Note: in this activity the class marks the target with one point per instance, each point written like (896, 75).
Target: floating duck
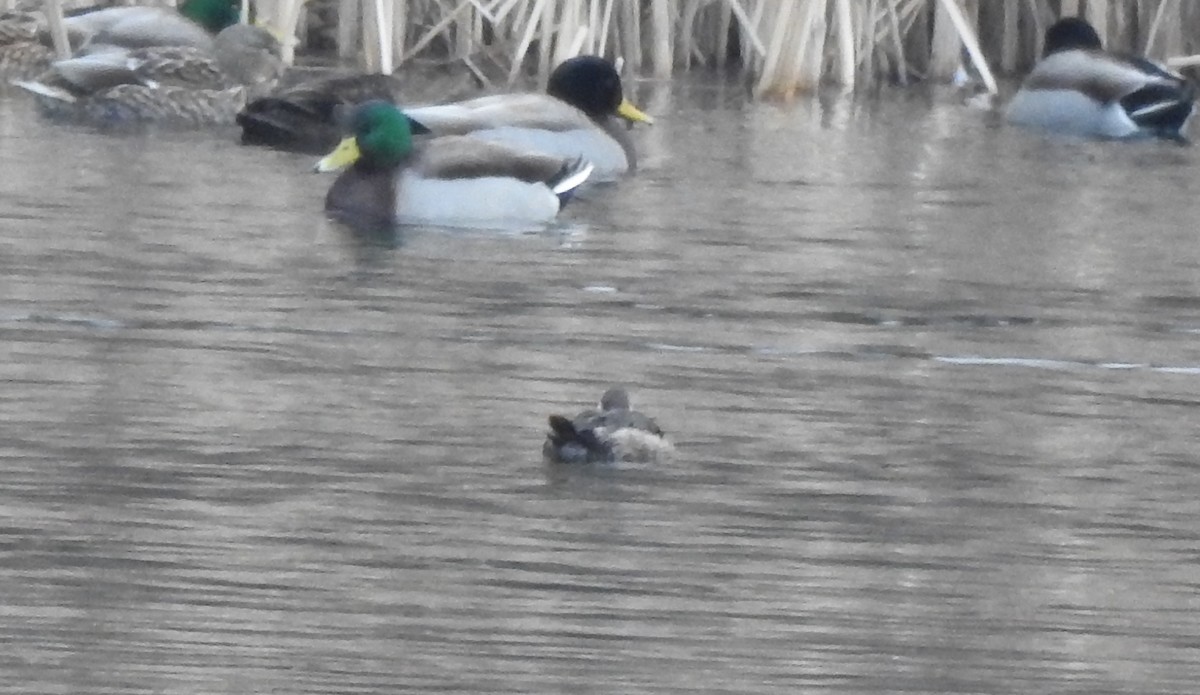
(1079, 89)
(307, 117)
(170, 84)
(449, 181)
(610, 432)
(576, 117)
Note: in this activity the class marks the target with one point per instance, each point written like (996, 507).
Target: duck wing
(613, 420)
(92, 72)
(1103, 77)
(461, 157)
(96, 71)
(180, 105)
(179, 67)
(301, 125)
(536, 111)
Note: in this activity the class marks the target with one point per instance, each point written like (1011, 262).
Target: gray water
(932, 383)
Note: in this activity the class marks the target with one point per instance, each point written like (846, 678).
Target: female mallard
(1079, 89)
(574, 118)
(610, 432)
(178, 85)
(451, 181)
(306, 117)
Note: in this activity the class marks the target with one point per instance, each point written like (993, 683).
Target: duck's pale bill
(345, 154)
(632, 113)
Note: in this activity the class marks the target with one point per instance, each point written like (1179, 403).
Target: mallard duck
(576, 117)
(179, 85)
(25, 47)
(610, 432)
(449, 181)
(307, 117)
(194, 24)
(1079, 89)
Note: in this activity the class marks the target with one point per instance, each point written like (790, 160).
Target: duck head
(592, 85)
(213, 15)
(249, 54)
(1069, 34)
(381, 138)
(614, 399)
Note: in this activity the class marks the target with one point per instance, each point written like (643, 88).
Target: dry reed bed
(784, 46)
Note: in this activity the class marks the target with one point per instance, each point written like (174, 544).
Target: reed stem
(58, 30)
(785, 46)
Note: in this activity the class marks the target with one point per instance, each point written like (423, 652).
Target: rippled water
(932, 382)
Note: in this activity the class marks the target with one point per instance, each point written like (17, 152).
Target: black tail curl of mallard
(568, 180)
(1162, 108)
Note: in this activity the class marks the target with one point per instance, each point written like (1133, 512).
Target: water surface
(932, 384)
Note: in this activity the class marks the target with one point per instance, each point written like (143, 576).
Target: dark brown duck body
(308, 117)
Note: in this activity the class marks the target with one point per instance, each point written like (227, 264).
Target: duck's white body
(492, 202)
(1070, 112)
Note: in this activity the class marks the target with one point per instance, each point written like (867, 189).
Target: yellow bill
(632, 113)
(345, 154)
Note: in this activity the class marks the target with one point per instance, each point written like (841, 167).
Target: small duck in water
(610, 432)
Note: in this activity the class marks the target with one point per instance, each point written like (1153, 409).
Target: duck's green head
(381, 137)
(213, 15)
(592, 85)
(1069, 34)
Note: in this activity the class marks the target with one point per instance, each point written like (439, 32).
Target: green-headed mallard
(612, 431)
(307, 117)
(194, 24)
(1079, 89)
(448, 181)
(177, 85)
(576, 117)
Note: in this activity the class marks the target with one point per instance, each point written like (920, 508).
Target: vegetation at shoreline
(784, 47)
